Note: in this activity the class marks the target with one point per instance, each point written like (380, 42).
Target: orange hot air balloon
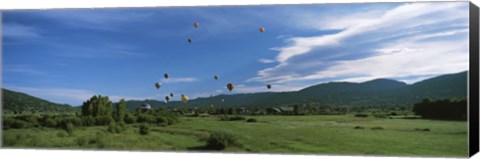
(262, 29)
(230, 86)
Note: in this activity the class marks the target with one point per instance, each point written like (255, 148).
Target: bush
(143, 118)
(88, 121)
(377, 128)
(359, 127)
(250, 120)
(361, 115)
(234, 118)
(171, 120)
(81, 141)
(14, 123)
(69, 128)
(116, 127)
(144, 129)
(100, 140)
(104, 120)
(162, 120)
(220, 140)
(111, 128)
(426, 129)
(50, 123)
(130, 119)
(61, 134)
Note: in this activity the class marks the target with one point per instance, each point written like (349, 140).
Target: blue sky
(67, 56)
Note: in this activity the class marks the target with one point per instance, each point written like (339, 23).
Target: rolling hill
(16, 101)
(378, 92)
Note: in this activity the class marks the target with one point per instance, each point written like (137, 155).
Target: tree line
(444, 109)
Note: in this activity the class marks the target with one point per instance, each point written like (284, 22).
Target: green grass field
(321, 134)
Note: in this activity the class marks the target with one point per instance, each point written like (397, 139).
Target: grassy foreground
(321, 134)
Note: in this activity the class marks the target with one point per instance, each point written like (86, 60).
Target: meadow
(307, 134)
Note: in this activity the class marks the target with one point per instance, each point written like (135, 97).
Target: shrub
(69, 128)
(220, 140)
(100, 140)
(377, 128)
(250, 120)
(361, 115)
(144, 129)
(61, 134)
(88, 121)
(162, 120)
(418, 129)
(359, 127)
(144, 118)
(50, 123)
(111, 128)
(237, 118)
(104, 120)
(81, 141)
(130, 119)
(234, 118)
(171, 120)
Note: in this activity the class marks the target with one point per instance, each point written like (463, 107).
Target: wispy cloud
(102, 19)
(179, 80)
(24, 69)
(266, 61)
(17, 30)
(411, 39)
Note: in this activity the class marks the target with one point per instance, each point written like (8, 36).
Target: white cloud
(398, 43)
(266, 61)
(179, 80)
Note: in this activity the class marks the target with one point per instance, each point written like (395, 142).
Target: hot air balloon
(167, 98)
(189, 40)
(262, 29)
(230, 86)
(184, 98)
(171, 94)
(165, 75)
(196, 24)
(269, 86)
(157, 85)
(215, 77)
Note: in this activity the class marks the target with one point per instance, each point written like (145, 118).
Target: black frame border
(473, 81)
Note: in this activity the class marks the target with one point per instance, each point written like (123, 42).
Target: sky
(69, 55)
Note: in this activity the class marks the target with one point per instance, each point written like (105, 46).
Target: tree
(120, 110)
(100, 108)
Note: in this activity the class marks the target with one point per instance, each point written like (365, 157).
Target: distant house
(280, 110)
